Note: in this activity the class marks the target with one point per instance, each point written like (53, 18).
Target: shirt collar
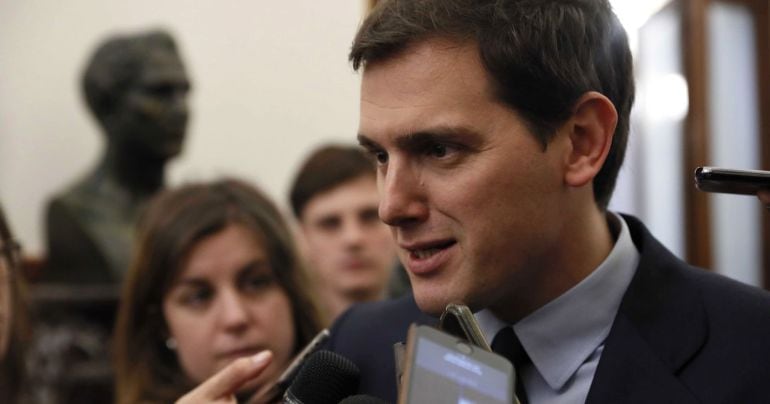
(561, 335)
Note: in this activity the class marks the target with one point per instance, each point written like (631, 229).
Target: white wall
(271, 81)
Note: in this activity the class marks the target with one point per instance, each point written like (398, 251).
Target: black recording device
(459, 321)
(285, 379)
(731, 181)
(363, 399)
(442, 368)
(325, 378)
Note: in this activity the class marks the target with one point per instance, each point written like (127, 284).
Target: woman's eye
(256, 283)
(196, 298)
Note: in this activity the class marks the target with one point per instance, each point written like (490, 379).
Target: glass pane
(650, 185)
(733, 117)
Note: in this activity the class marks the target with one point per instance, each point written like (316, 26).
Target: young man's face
(350, 249)
(471, 196)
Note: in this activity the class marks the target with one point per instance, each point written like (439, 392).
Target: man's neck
(584, 244)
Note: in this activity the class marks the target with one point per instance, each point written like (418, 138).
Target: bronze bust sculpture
(136, 86)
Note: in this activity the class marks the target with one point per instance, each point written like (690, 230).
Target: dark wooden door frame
(698, 222)
(760, 11)
(696, 136)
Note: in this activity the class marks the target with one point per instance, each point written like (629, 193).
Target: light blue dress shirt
(565, 338)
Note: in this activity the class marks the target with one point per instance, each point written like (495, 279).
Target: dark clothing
(365, 334)
(682, 335)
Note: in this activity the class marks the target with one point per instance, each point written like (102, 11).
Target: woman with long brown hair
(14, 328)
(215, 277)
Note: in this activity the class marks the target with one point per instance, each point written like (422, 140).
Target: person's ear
(591, 130)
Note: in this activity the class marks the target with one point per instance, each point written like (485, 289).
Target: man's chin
(432, 305)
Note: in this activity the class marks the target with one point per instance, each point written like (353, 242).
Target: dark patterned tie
(507, 344)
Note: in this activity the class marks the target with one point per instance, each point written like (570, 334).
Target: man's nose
(402, 197)
(353, 231)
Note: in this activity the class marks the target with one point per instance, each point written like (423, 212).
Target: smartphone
(287, 377)
(459, 321)
(443, 368)
(731, 181)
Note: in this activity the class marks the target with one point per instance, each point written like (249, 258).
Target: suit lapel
(631, 372)
(660, 326)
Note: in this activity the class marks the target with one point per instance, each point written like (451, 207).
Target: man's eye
(370, 216)
(438, 150)
(330, 223)
(381, 157)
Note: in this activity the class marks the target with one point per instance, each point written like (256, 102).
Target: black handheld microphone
(363, 399)
(326, 378)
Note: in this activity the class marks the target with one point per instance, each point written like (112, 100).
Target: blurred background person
(351, 254)
(215, 277)
(136, 87)
(14, 330)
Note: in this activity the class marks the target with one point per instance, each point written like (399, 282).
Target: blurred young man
(499, 127)
(350, 251)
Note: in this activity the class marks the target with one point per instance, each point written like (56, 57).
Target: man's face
(151, 117)
(350, 249)
(471, 196)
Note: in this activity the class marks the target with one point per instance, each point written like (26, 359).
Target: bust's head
(137, 86)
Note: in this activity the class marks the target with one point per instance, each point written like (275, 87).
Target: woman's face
(227, 303)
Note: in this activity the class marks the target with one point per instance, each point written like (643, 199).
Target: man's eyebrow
(366, 143)
(426, 136)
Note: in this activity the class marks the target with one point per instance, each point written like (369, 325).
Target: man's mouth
(427, 250)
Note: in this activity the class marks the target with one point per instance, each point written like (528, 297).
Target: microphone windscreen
(363, 399)
(326, 378)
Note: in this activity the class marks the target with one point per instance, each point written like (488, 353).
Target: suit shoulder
(730, 299)
(379, 323)
(366, 333)
(370, 317)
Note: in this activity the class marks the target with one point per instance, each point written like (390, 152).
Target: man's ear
(590, 130)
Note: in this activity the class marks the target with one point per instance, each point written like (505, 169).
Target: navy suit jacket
(681, 335)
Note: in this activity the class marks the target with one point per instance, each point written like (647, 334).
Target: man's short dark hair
(542, 56)
(116, 65)
(327, 168)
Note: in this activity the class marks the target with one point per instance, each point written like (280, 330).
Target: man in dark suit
(499, 127)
